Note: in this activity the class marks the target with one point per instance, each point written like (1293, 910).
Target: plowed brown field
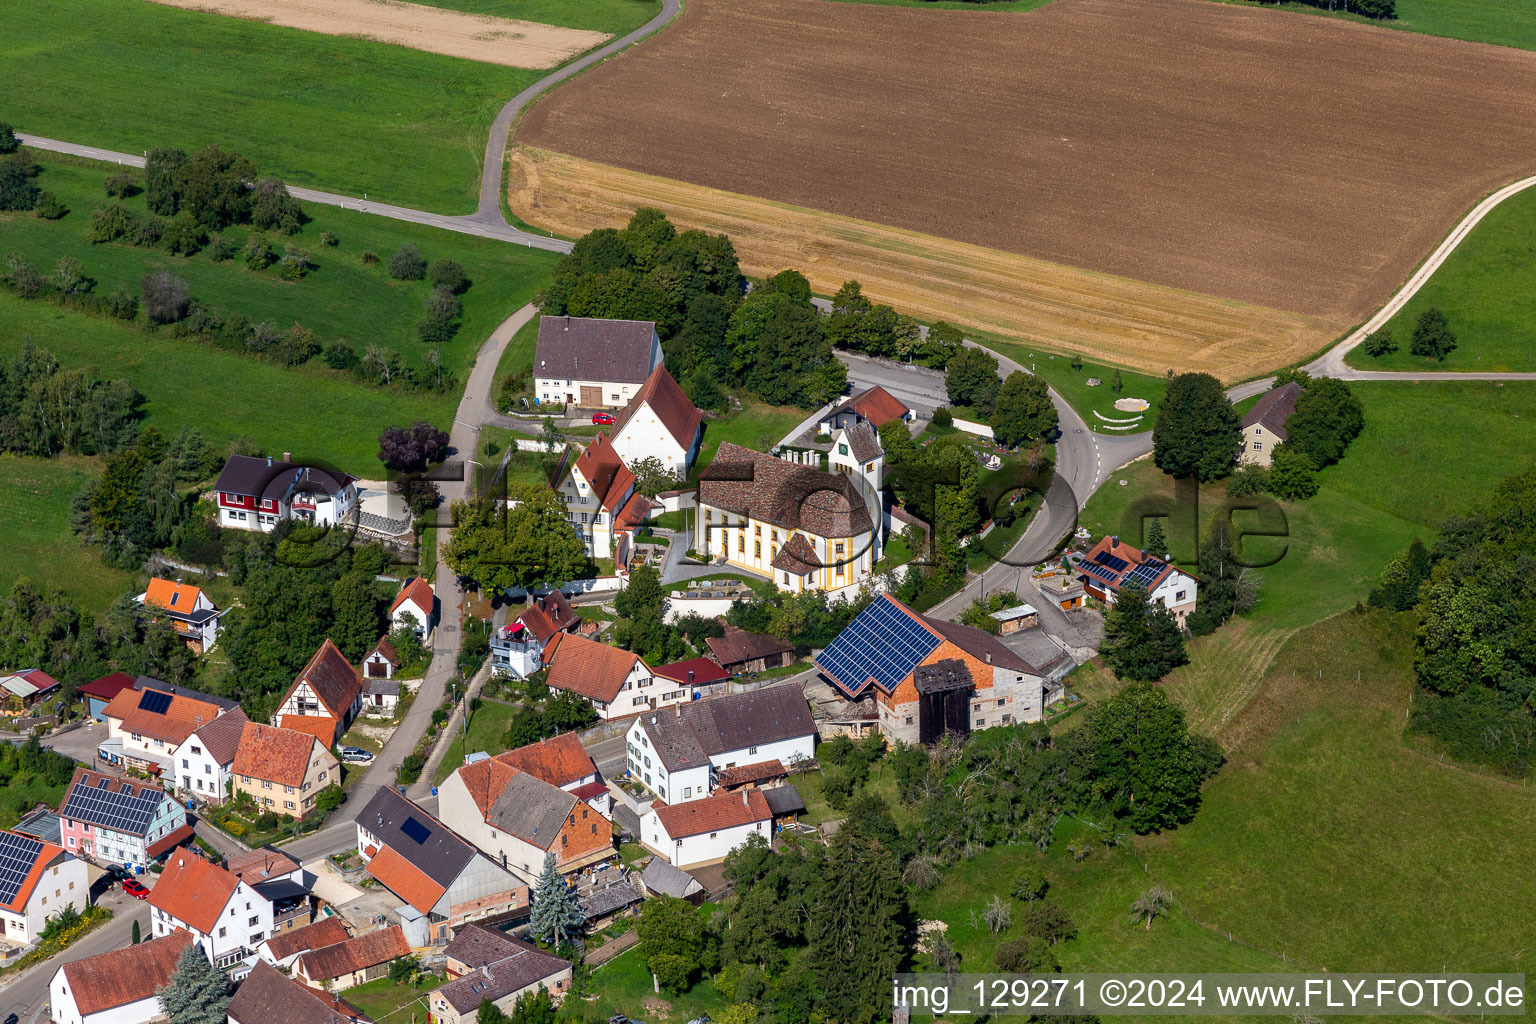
(1138, 325)
(1283, 160)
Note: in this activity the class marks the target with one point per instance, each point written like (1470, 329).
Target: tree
(213, 185)
(528, 544)
(1328, 417)
(358, 619)
(197, 992)
(1197, 432)
(535, 1007)
(404, 969)
(1432, 335)
(1030, 884)
(1156, 544)
(998, 916)
(971, 378)
(1022, 410)
(555, 915)
(412, 449)
(1141, 641)
(1151, 903)
(651, 476)
(857, 916)
(407, 264)
(944, 341)
(1379, 343)
(17, 191)
(447, 274)
(1292, 474)
(166, 297)
(897, 441)
(161, 168)
(1146, 767)
(779, 349)
(136, 935)
(1028, 954)
(1402, 578)
(488, 1013)
(672, 941)
(9, 143)
(273, 209)
(330, 798)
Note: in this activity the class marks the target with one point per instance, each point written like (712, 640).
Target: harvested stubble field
(516, 44)
(1283, 161)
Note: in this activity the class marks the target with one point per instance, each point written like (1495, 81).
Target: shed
(662, 879)
(1011, 620)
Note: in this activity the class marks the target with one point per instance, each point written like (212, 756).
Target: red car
(602, 419)
(133, 888)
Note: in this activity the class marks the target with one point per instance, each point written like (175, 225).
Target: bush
(447, 274)
(1380, 343)
(149, 231)
(49, 207)
(111, 223)
(327, 239)
(295, 263)
(1247, 480)
(1027, 955)
(340, 356)
(1030, 884)
(182, 235)
(122, 304)
(943, 418)
(121, 185)
(16, 189)
(9, 143)
(222, 249)
(435, 330)
(166, 297)
(369, 257)
(258, 255)
(273, 209)
(23, 276)
(407, 264)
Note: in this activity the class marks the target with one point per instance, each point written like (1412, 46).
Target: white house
(201, 764)
(618, 683)
(415, 607)
(146, 725)
(685, 754)
(661, 423)
(704, 831)
(117, 987)
(324, 699)
(1263, 426)
(40, 879)
(256, 493)
(225, 915)
(382, 662)
(190, 612)
(600, 499)
(599, 364)
(1110, 565)
(282, 949)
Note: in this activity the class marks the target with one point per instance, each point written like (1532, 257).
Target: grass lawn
(345, 299)
(487, 730)
(676, 521)
(396, 124)
(1503, 22)
(35, 534)
(381, 997)
(1096, 405)
(755, 425)
(1327, 839)
(615, 17)
(624, 983)
(1484, 288)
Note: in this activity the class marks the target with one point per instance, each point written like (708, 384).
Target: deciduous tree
(412, 449)
(1197, 431)
(1022, 410)
(1432, 335)
(971, 378)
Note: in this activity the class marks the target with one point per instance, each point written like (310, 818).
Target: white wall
(208, 779)
(413, 615)
(234, 922)
(698, 849)
(979, 429)
(457, 809)
(66, 883)
(644, 436)
(65, 1011)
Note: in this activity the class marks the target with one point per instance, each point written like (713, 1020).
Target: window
(752, 750)
(775, 536)
(687, 792)
(839, 547)
(196, 749)
(741, 542)
(757, 548)
(222, 932)
(1258, 446)
(976, 706)
(288, 804)
(980, 722)
(757, 529)
(613, 398)
(266, 784)
(253, 922)
(709, 515)
(1257, 430)
(185, 763)
(786, 579)
(1180, 595)
(1001, 701)
(1007, 719)
(207, 770)
(287, 789)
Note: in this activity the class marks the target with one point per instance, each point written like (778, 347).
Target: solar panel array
(884, 642)
(1144, 574)
(111, 809)
(416, 831)
(155, 702)
(1115, 562)
(17, 855)
(1102, 572)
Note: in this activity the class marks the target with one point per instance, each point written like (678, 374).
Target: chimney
(679, 709)
(269, 460)
(690, 675)
(1114, 542)
(744, 801)
(486, 970)
(287, 456)
(567, 324)
(989, 657)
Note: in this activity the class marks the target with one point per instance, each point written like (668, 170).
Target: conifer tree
(857, 916)
(197, 992)
(556, 915)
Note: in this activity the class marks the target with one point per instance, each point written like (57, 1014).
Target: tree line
(46, 409)
(1018, 409)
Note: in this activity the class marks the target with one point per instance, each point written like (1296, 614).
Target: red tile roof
(785, 494)
(1109, 547)
(168, 842)
(124, 975)
(321, 728)
(193, 891)
(604, 472)
(877, 405)
(666, 399)
(720, 810)
(559, 762)
(170, 595)
(332, 678)
(738, 645)
(405, 879)
(108, 687)
(759, 772)
(261, 865)
(268, 995)
(591, 669)
(182, 716)
(355, 954)
(416, 589)
(693, 672)
(221, 737)
(797, 556)
(273, 754)
(325, 932)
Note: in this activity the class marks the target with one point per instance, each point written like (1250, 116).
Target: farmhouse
(226, 916)
(268, 995)
(120, 986)
(380, 663)
(517, 817)
(661, 423)
(282, 949)
(202, 764)
(484, 964)
(740, 651)
(1264, 425)
(443, 880)
(1110, 565)
(148, 723)
(684, 754)
(24, 690)
(415, 607)
(324, 699)
(40, 879)
(257, 493)
(704, 831)
(353, 961)
(120, 821)
(283, 770)
(598, 364)
(928, 677)
(600, 498)
(617, 682)
(875, 406)
(190, 612)
(803, 528)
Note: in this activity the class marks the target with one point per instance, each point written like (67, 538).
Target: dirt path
(517, 44)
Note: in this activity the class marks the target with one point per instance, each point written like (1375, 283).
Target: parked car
(133, 887)
(356, 754)
(602, 419)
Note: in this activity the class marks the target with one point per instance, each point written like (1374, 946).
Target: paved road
(27, 994)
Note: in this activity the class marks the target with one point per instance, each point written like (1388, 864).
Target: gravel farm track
(1281, 173)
